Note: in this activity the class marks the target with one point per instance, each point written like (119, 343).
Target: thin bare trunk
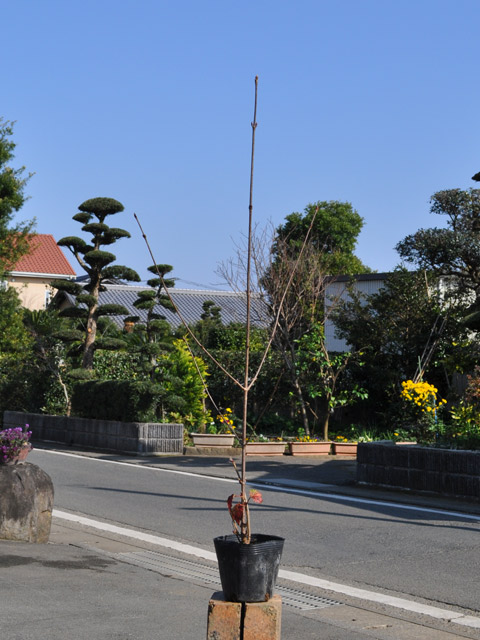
(303, 407)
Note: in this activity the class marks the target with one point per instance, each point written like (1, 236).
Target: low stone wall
(443, 471)
(138, 438)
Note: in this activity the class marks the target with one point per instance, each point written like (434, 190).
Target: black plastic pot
(248, 572)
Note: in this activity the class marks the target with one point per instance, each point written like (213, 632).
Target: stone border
(443, 471)
(137, 438)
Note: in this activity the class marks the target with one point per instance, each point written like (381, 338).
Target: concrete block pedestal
(244, 621)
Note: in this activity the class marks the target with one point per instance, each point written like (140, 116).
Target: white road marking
(138, 535)
(301, 578)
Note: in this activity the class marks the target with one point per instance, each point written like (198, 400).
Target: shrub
(121, 400)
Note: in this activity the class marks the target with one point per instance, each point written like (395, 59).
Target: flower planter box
(213, 439)
(265, 448)
(345, 448)
(309, 448)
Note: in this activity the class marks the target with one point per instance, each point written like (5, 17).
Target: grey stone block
(26, 502)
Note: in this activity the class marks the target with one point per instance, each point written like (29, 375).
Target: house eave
(26, 274)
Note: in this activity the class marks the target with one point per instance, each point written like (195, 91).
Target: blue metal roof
(189, 303)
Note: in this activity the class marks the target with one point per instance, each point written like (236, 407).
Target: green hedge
(122, 400)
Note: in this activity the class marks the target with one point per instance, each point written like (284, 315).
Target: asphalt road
(417, 553)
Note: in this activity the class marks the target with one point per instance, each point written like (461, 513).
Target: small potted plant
(248, 563)
(219, 433)
(14, 445)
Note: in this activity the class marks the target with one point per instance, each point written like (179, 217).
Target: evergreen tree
(453, 252)
(97, 263)
(156, 333)
(13, 239)
(308, 251)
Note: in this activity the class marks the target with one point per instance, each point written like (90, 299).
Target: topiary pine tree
(156, 330)
(98, 266)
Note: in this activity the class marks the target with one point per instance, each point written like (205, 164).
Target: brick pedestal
(260, 620)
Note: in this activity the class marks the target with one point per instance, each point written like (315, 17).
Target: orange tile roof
(45, 256)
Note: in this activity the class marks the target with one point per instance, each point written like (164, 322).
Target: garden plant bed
(444, 471)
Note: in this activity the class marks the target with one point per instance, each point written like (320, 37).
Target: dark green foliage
(119, 272)
(75, 312)
(82, 217)
(72, 242)
(392, 329)
(161, 269)
(68, 286)
(96, 228)
(81, 374)
(69, 335)
(101, 207)
(110, 343)
(30, 356)
(121, 400)
(14, 339)
(118, 365)
(209, 330)
(47, 370)
(155, 333)
(454, 251)
(95, 261)
(98, 258)
(145, 296)
(215, 335)
(308, 250)
(270, 406)
(15, 350)
(333, 236)
(112, 234)
(13, 239)
(87, 299)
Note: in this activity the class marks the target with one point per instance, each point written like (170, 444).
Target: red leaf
(256, 496)
(237, 513)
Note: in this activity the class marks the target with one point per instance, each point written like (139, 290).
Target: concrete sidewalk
(87, 584)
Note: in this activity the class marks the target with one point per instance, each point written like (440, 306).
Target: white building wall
(339, 291)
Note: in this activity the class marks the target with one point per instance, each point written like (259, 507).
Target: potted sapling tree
(248, 562)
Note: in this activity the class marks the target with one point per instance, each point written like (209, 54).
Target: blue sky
(374, 102)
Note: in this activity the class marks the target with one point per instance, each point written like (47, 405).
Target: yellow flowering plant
(302, 437)
(422, 405)
(224, 423)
